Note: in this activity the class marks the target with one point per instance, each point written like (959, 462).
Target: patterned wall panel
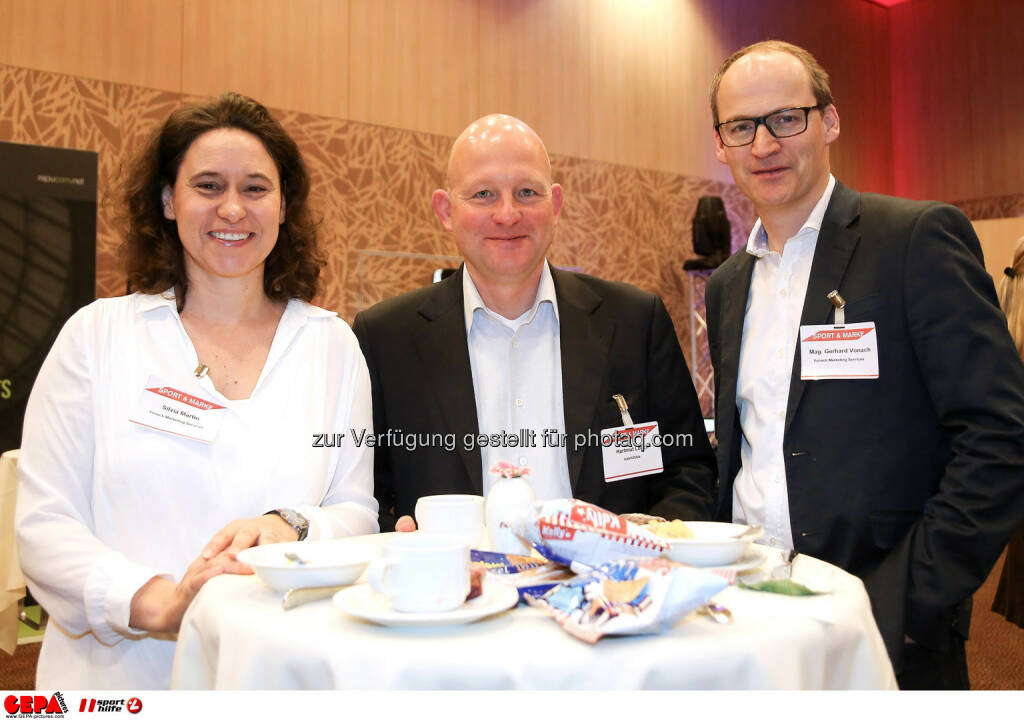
(1003, 206)
(41, 108)
(372, 188)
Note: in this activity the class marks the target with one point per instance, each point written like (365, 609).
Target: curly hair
(818, 77)
(153, 257)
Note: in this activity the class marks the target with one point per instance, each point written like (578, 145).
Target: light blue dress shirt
(517, 382)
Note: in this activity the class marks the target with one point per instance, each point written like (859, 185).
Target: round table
(236, 635)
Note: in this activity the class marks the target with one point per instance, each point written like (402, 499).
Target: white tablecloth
(237, 636)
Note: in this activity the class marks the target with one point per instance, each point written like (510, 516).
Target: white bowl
(713, 544)
(328, 562)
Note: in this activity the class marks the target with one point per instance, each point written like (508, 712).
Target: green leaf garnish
(781, 586)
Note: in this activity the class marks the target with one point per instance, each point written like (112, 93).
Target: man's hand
(405, 524)
(238, 535)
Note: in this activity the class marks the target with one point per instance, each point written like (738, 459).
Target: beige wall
(999, 238)
(929, 92)
(619, 81)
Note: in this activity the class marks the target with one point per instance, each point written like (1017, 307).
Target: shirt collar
(757, 241)
(296, 308)
(145, 303)
(472, 301)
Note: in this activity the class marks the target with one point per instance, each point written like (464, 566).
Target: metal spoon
(752, 530)
(719, 613)
(300, 596)
(292, 557)
(785, 570)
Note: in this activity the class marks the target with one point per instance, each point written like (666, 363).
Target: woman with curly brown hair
(171, 428)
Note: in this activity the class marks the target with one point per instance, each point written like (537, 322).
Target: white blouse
(105, 504)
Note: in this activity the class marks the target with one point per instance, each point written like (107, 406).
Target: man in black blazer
(914, 479)
(435, 353)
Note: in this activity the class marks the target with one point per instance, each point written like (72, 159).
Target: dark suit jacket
(614, 338)
(913, 481)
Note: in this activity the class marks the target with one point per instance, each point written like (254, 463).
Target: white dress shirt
(771, 324)
(517, 382)
(104, 504)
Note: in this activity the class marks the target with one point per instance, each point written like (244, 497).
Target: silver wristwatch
(298, 521)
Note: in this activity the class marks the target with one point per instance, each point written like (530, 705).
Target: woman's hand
(159, 605)
(238, 535)
(405, 524)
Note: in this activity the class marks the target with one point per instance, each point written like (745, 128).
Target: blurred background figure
(1009, 600)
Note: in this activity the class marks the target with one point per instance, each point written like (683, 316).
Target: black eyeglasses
(781, 124)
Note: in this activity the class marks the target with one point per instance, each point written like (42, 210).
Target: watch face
(298, 522)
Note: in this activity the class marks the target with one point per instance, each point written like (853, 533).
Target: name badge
(631, 451)
(176, 412)
(828, 352)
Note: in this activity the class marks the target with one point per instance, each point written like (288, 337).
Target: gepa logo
(35, 706)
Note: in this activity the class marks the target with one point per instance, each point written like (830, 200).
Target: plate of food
(751, 560)
(708, 544)
(318, 563)
(363, 602)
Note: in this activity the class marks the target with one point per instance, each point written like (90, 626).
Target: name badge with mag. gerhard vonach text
(828, 352)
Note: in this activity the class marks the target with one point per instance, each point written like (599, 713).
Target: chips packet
(504, 564)
(529, 575)
(630, 596)
(573, 532)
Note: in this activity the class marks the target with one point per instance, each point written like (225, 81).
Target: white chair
(12, 582)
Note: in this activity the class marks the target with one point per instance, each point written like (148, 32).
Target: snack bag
(504, 564)
(529, 575)
(628, 597)
(573, 532)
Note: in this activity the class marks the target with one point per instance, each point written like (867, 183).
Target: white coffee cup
(458, 515)
(422, 572)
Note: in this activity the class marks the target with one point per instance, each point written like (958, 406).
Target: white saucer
(751, 560)
(362, 602)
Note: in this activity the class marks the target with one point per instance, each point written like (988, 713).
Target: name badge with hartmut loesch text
(167, 409)
(631, 451)
(849, 352)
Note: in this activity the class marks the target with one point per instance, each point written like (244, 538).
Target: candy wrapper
(628, 597)
(510, 565)
(530, 576)
(576, 533)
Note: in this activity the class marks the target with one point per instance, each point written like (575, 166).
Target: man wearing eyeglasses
(870, 407)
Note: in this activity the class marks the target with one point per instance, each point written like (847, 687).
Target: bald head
(501, 208)
(491, 132)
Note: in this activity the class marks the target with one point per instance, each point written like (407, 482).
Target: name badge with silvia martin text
(849, 352)
(167, 409)
(631, 451)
